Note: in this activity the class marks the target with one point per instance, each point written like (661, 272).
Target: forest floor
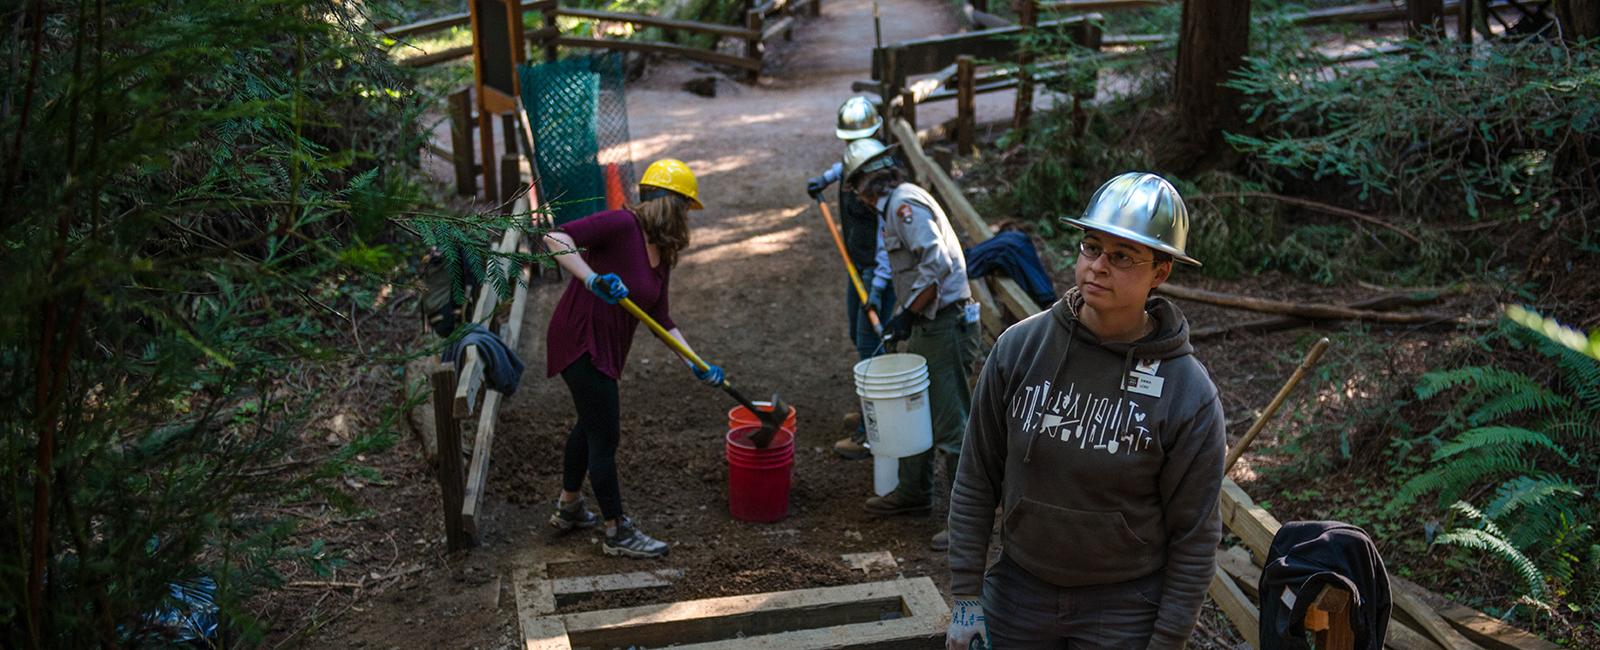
(760, 292)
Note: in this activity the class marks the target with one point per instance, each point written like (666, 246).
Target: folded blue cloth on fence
(501, 366)
(1012, 253)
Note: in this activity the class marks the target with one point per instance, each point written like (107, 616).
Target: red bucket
(759, 479)
(739, 416)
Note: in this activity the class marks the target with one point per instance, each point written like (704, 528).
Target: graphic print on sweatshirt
(1111, 424)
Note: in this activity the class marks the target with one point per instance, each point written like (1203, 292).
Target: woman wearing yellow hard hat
(612, 255)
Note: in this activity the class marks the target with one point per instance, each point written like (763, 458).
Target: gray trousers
(1026, 612)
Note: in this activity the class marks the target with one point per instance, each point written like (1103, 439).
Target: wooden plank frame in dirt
(902, 613)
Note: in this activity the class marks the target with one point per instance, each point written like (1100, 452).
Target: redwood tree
(1211, 44)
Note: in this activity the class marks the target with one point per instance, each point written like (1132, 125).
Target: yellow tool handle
(855, 279)
(663, 334)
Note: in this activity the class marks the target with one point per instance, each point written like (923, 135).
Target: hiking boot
(629, 542)
(940, 541)
(573, 515)
(854, 445)
(896, 503)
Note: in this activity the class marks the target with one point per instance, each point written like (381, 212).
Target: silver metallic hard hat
(1142, 207)
(866, 155)
(858, 118)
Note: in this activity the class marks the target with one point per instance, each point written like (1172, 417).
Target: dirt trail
(760, 292)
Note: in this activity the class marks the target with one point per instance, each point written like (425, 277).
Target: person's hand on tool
(608, 286)
(968, 629)
(815, 185)
(899, 327)
(711, 376)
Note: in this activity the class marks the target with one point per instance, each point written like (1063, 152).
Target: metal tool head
(771, 422)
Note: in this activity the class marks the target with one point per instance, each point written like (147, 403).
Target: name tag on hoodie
(1143, 384)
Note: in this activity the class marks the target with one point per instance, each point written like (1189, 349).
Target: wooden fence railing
(457, 397)
(762, 23)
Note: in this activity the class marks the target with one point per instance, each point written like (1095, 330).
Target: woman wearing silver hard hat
(1102, 438)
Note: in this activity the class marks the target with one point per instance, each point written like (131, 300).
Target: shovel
(770, 420)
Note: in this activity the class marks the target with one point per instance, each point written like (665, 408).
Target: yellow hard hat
(671, 174)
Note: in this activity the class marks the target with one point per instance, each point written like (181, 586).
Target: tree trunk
(1426, 16)
(1580, 19)
(1212, 43)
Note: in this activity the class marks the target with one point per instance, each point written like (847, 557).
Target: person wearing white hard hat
(857, 119)
(1101, 438)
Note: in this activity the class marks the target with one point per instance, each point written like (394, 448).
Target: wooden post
(908, 107)
(550, 16)
(1024, 109)
(1464, 21)
(461, 142)
(816, 8)
(1328, 619)
(510, 163)
(966, 119)
(753, 21)
(451, 481)
(491, 189)
(980, 5)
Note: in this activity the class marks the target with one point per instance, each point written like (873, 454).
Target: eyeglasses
(1092, 251)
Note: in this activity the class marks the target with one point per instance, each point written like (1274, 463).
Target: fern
(1490, 539)
(1497, 440)
(1525, 490)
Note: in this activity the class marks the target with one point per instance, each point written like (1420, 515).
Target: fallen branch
(1312, 311)
(1314, 205)
(1277, 323)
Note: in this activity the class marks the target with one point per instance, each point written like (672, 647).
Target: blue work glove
(711, 376)
(815, 186)
(968, 630)
(875, 299)
(899, 327)
(608, 286)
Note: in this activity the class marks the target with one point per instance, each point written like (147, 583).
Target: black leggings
(592, 444)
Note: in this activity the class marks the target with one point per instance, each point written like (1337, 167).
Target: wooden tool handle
(855, 277)
(1312, 357)
(663, 334)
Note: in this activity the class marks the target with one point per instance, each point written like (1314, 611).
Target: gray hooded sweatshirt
(1106, 458)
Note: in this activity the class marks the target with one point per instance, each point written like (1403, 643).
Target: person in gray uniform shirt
(1102, 439)
(936, 316)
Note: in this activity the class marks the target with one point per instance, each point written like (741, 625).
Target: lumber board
(653, 47)
(478, 467)
(448, 461)
(1236, 561)
(534, 602)
(565, 589)
(1467, 627)
(1489, 632)
(925, 618)
(711, 620)
(1239, 608)
(471, 380)
(1011, 295)
(1422, 618)
(658, 21)
(1240, 514)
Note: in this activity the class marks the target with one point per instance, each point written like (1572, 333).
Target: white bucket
(894, 408)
